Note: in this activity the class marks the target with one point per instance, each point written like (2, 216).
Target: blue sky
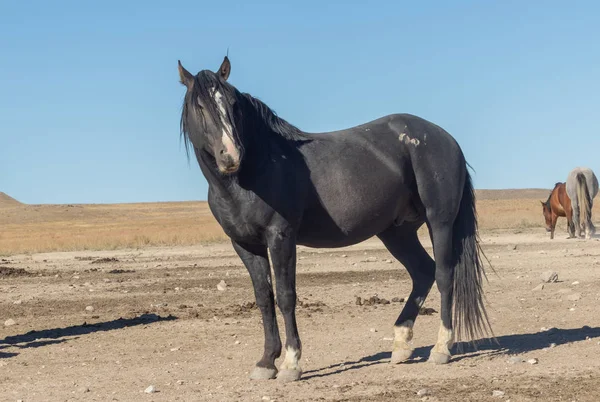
(90, 100)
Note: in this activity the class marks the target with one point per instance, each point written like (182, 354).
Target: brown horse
(558, 204)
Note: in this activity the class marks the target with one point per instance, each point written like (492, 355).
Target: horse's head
(209, 116)
(547, 215)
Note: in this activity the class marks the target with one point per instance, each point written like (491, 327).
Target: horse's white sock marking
(291, 361)
(401, 351)
(445, 340)
(227, 135)
(403, 334)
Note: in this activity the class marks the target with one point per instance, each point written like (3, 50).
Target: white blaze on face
(227, 135)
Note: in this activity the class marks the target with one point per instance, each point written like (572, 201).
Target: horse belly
(342, 226)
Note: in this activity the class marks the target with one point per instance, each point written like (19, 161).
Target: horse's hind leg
(576, 219)
(570, 225)
(403, 243)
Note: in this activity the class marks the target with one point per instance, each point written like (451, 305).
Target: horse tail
(470, 316)
(583, 199)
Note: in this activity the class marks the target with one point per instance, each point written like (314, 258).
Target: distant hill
(8, 201)
(509, 194)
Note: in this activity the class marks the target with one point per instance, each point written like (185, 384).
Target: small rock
(398, 300)
(373, 330)
(9, 322)
(17, 302)
(370, 259)
(179, 382)
(423, 392)
(538, 288)
(532, 361)
(511, 247)
(89, 308)
(498, 394)
(572, 309)
(237, 342)
(175, 349)
(387, 338)
(515, 360)
(553, 345)
(85, 390)
(344, 256)
(575, 283)
(150, 390)
(574, 297)
(549, 277)
(221, 286)
(266, 398)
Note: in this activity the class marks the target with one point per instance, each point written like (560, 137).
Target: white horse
(582, 187)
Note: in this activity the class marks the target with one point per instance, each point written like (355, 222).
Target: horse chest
(240, 222)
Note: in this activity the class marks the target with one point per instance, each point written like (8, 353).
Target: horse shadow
(503, 345)
(36, 339)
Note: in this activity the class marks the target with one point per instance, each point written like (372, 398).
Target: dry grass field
(98, 302)
(43, 228)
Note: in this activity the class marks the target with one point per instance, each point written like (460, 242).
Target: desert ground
(100, 302)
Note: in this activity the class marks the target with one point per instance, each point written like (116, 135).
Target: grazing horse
(558, 204)
(272, 186)
(582, 187)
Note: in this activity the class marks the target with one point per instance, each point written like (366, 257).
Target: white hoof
(439, 358)
(289, 375)
(401, 355)
(263, 373)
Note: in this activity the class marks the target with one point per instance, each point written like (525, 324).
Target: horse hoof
(263, 373)
(439, 358)
(400, 356)
(289, 375)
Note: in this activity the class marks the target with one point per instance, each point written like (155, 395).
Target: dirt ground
(155, 317)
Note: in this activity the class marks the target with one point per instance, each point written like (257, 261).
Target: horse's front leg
(282, 245)
(553, 225)
(256, 260)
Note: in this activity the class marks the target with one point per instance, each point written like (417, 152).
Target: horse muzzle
(228, 164)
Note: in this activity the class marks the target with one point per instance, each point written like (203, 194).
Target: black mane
(273, 122)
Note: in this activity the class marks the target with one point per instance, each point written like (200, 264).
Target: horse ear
(225, 69)
(184, 76)
(543, 203)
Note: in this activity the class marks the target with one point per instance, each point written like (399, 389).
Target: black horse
(272, 186)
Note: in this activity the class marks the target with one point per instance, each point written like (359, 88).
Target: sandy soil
(158, 319)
